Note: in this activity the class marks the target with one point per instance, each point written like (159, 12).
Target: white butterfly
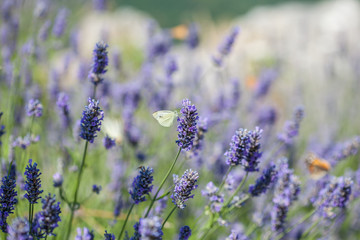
(165, 117)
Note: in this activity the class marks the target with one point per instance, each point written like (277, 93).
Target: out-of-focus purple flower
(159, 44)
(100, 62)
(235, 235)
(137, 235)
(49, 217)
(100, 5)
(287, 190)
(195, 152)
(7, 200)
(19, 230)
(33, 182)
(291, 128)
(185, 233)
(263, 183)
(183, 187)
(267, 77)
(64, 108)
(192, 39)
(160, 207)
(91, 120)
(266, 116)
(245, 149)
(116, 60)
(41, 8)
(227, 44)
(25, 141)
(34, 108)
(108, 142)
(216, 200)
(118, 205)
(345, 149)
(2, 129)
(142, 185)
(96, 188)
(170, 66)
(84, 234)
(58, 180)
(83, 71)
(187, 128)
(109, 236)
(60, 22)
(44, 31)
(335, 194)
(150, 228)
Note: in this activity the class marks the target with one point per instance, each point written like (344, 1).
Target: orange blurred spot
(251, 82)
(179, 32)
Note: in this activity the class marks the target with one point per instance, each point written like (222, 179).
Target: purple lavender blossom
(291, 128)
(192, 39)
(84, 234)
(267, 77)
(99, 5)
(19, 230)
(91, 120)
(109, 236)
(60, 23)
(49, 217)
(7, 200)
(100, 62)
(44, 31)
(34, 108)
(26, 141)
(159, 44)
(137, 235)
(266, 116)
(226, 46)
(235, 235)
(185, 233)
(142, 185)
(33, 182)
(183, 187)
(64, 108)
(171, 66)
(346, 149)
(150, 228)
(41, 9)
(160, 207)
(108, 142)
(58, 180)
(187, 125)
(96, 188)
(198, 144)
(216, 200)
(263, 183)
(245, 149)
(287, 190)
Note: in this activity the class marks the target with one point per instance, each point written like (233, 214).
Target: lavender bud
(58, 180)
(100, 62)
(183, 187)
(33, 182)
(96, 188)
(7, 200)
(185, 233)
(108, 142)
(142, 185)
(262, 184)
(49, 216)
(34, 108)
(109, 236)
(60, 23)
(192, 39)
(226, 46)
(91, 120)
(187, 125)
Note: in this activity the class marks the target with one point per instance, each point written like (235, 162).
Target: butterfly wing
(165, 117)
(317, 167)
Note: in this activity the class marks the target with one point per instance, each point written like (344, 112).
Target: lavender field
(114, 127)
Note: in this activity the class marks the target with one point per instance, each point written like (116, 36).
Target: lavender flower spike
(187, 125)
(60, 23)
(19, 230)
(142, 185)
(84, 234)
(150, 228)
(109, 236)
(49, 216)
(183, 187)
(226, 46)
(91, 120)
(7, 200)
(33, 182)
(185, 233)
(34, 108)
(261, 185)
(100, 62)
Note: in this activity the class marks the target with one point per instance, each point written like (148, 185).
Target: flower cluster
(291, 128)
(7, 200)
(185, 233)
(91, 120)
(100, 62)
(150, 228)
(245, 149)
(183, 187)
(109, 236)
(216, 200)
(142, 185)
(25, 142)
(263, 183)
(34, 108)
(108, 142)
(33, 182)
(84, 234)
(19, 230)
(48, 219)
(187, 125)
(226, 46)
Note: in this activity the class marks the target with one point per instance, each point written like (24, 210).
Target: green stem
(167, 218)
(224, 180)
(76, 191)
(162, 196)
(307, 232)
(30, 218)
(163, 182)
(126, 220)
(94, 92)
(236, 191)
